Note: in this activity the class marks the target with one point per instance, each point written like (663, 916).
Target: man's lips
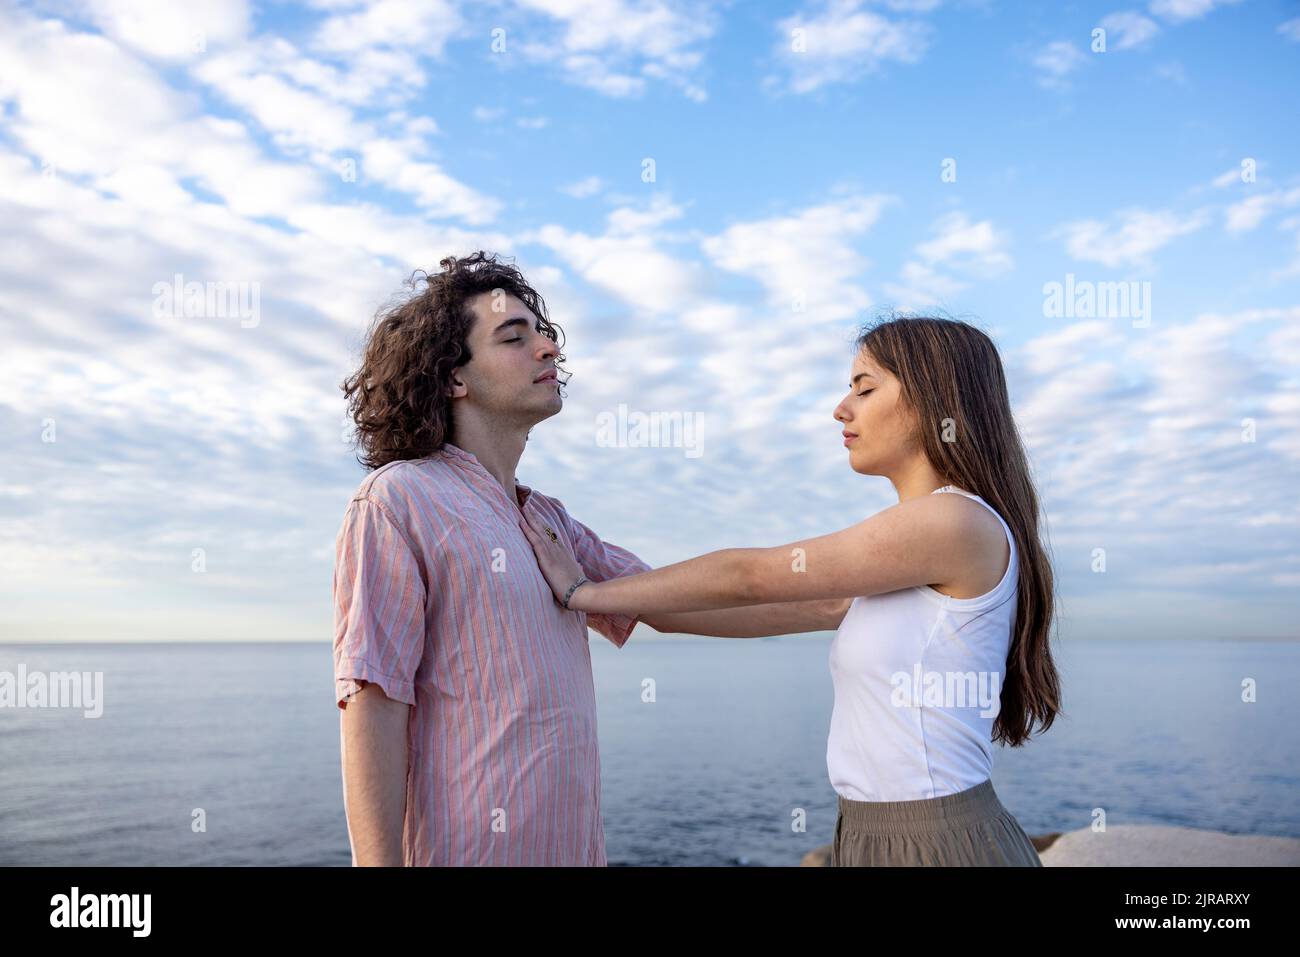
(546, 377)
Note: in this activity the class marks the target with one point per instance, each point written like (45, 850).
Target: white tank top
(917, 677)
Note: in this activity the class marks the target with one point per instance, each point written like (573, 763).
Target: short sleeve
(601, 561)
(379, 604)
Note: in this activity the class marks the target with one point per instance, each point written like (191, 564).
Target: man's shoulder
(434, 488)
(395, 478)
(407, 487)
(417, 496)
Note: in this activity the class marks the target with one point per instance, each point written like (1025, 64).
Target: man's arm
(755, 621)
(374, 775)
(380, 631)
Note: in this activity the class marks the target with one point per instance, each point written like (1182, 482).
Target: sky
(711, 198)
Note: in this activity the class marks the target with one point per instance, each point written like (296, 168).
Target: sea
(725, 766)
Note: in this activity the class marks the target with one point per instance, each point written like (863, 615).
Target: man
(468, 725)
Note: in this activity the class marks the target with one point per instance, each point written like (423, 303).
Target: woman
(943, 602)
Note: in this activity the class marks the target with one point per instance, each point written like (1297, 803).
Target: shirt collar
(468, 460)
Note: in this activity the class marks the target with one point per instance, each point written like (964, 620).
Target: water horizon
(713, 772)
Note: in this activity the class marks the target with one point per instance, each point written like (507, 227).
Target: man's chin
(548, 409)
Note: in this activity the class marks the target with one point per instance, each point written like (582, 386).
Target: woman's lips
(848, 438)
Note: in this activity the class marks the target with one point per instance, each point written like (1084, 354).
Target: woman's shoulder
(962, 526)
(972, 517)
(973, 527)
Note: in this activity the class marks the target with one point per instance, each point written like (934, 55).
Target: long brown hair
(952, 378)
(398, 398)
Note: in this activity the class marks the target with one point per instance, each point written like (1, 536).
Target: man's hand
(559, 567)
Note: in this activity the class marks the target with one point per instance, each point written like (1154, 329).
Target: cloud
(391, 151)
(396, 164)
(626, 260)
(1132, 30)
(617, 47)
(171, 31)
(1229, 177)
(583, 188)
(127, 158)
(1117, 421)
(959, 248)
(809, 256)
(81, 125)
(296, 117)
(1130, 239)
(112, 181)
(423, 25)
(1250, 212)
(838, 41)
(1179, 11)
(1055, 62)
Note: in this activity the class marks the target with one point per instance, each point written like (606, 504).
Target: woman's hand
(559, 567)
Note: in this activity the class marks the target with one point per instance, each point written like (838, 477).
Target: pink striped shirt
(438, 599)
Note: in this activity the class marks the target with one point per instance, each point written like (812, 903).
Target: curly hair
(399, 398)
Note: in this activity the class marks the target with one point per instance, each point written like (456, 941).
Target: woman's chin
(859, 465)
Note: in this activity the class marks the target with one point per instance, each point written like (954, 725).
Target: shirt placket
(498, 494)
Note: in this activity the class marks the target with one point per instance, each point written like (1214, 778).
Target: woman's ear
(456, 387)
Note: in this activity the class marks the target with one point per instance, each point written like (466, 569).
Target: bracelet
(572, 588)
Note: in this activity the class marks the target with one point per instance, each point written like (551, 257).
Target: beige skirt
(967, 829)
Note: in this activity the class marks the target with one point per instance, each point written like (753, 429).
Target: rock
(1042, 842)
(1140, 845)
(817, 857)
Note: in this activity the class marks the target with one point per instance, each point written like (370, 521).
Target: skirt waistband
(979, 803)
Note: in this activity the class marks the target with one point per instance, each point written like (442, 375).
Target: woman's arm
(755, 621)
(925, 540)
